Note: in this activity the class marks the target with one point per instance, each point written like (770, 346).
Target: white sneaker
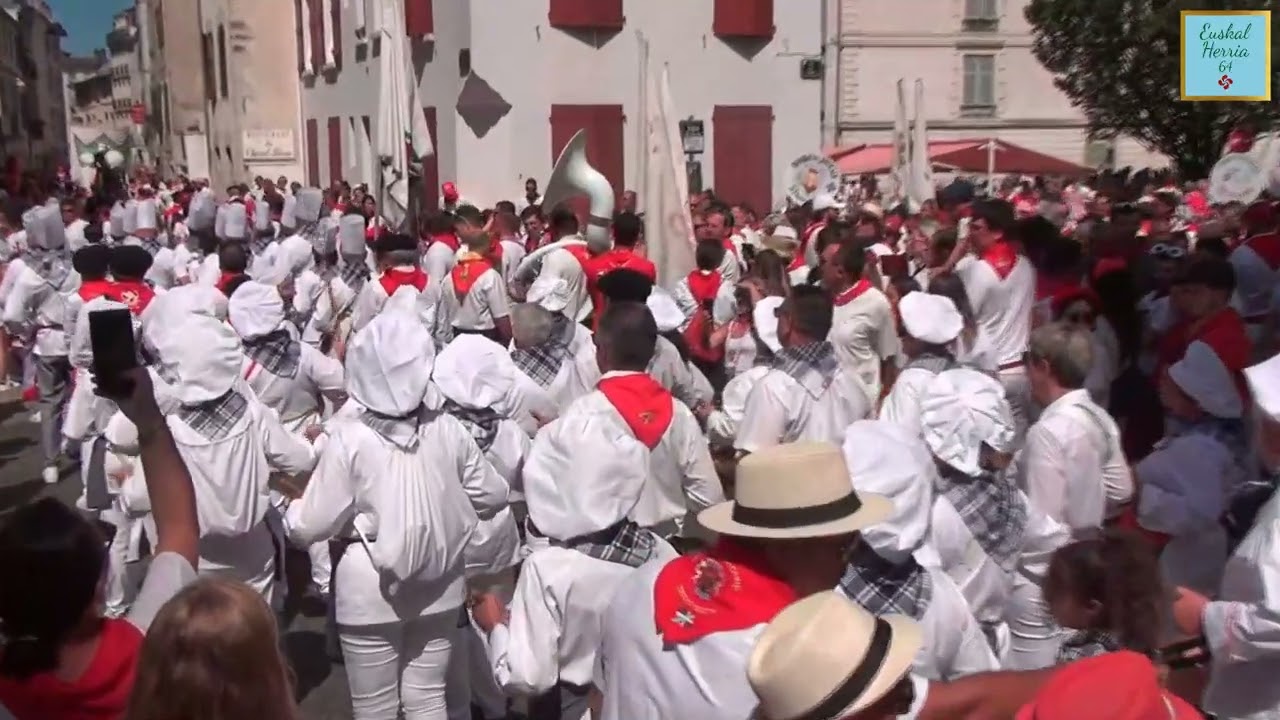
(50, 475)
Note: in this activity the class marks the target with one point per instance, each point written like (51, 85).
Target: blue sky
(87, 22)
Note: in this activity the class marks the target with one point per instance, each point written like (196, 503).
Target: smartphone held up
(114, 351)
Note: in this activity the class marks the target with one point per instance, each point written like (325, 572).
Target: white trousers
(1017, 390)
(1034, 638)
(124, 574)
(399, 665)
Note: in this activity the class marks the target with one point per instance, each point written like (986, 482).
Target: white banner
(668, 228)
(920, 186)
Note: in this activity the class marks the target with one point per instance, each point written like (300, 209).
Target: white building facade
(506, 84)
(981, 79)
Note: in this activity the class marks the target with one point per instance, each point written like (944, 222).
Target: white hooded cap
(389, 363)
(117, 220)
(146, 215)
(310, 201)
(130, 217)
(886, 459)
(171, 308)
(52, 233)
(200, 355)
(930, 318)
(666, 313)
(255, 310)
(960, 411)
(582, 476)
(475, 372)
(235, 221)
(351, 240)
(325, 239)
(289, 213)
(1202, 376)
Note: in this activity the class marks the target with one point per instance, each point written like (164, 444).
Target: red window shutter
(603, 124)
(742, 150)
(419, 17)
(300, 27)
(335, 150)
(431, 166)
(336, 10)
(317, 35)
(313, 153)
(743, 18)
(586, 14)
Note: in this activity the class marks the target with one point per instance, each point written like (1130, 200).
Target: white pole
(991, 164)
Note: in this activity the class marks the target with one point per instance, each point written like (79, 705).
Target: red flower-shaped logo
(1225, 81)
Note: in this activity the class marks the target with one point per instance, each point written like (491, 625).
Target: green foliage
(1118, 60)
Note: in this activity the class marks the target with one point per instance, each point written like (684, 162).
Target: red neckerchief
(723, 589)
(644, 405)
(225, 278)
(1267, 247)
(1002, 257)
(448, 239)
(373, 232)
(394, 278)
(809, 235)
(468, 270)
(845, 297)
(90, 289)
(619, 259)
(579, 253)
(704, 285)
(135, 294)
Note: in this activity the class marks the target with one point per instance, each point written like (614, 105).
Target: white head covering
(52, 233)
(325, 239)
(1264, 383)
(389, 363)
(1202, 376)
(131, 217)
(171, 308)
(476, 372)
(310, 201)
(765, 318)
(262, 217)
(288, 214)
(930, 318)
(200, 355)
(146, 215)
(117, 220)
(255, 310)
(666, 313)
(235, 221)
(886, 459)
(202, 212)
(583, 476)
(962, 409)
(351, 240)
(551, 293)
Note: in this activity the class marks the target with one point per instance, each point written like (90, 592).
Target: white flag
(920, 187)
(668, 228)
(351, 152)
(899, 171)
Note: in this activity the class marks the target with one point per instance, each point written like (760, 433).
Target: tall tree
(1119, 61)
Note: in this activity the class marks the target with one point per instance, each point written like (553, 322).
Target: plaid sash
(354, 274)
(992, 510)
(213, 420)
(883, 588)
(813, 365)
(277, 352)
(400, 431)
(53, 266)
(934, 364)
(259, 242)
(1086, 644)
(152, 245)
(625, 543)
(482, 423)
(543, 363)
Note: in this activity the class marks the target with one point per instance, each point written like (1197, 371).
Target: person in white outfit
(930, 326)
(400, 488)
(552, 351)
(893, 570)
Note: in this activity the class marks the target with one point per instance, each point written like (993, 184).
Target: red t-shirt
(1224, 331)
(616, 259)
(101, 693)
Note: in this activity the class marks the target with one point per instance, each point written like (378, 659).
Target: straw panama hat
(825, 657)
(795, 490)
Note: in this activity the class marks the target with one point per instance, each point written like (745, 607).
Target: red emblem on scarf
(1002, 257)
(134, 294)
(90, 289)
(395, 278)
(847, 296)
(645, 406)
(721, 590)
(467, 272)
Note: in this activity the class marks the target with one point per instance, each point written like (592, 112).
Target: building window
(222, 62)
(980, 16)
(979, 86)
(206, 52)
(586, 14)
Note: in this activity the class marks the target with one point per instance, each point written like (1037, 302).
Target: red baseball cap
(450, 191)
(1120, 685)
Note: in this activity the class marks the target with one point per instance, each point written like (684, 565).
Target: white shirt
(902, 404)
(512, 253)
(722, 423)
(780, 410)
(556, 616)
(333, 302)
(674, 374)
(864, 334)
(445, 483)
(34, 303)
(209, 271)
(578, 373)
(161, 273)
(1073, 467)
(485, 302)
(297, 399)
(561, 264)
(373, 297)
(438, 261)
(1002, 307)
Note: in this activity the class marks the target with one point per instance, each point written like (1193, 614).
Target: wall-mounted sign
(268, 145)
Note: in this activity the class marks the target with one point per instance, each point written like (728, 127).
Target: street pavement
(322, 685)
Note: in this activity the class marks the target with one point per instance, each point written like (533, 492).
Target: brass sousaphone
(574, 176)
